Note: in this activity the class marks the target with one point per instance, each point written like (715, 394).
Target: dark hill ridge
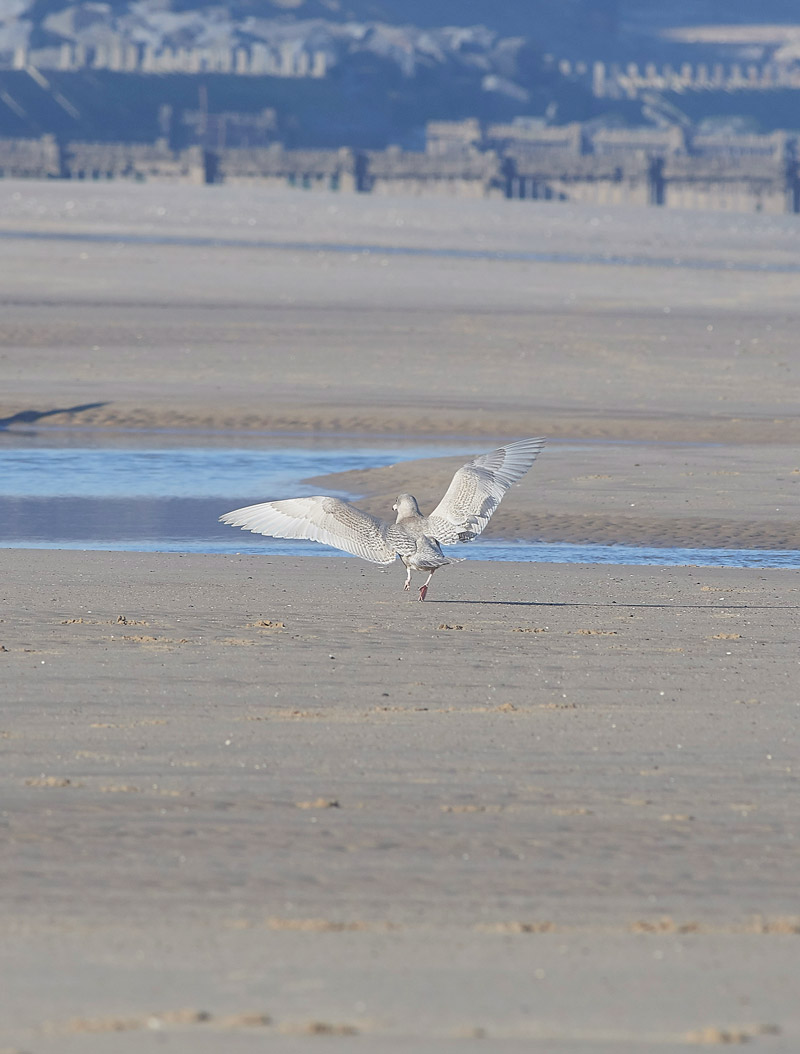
(362, 73)
(611, 30)
(542, 20)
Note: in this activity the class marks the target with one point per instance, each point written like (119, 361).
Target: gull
(474, 493)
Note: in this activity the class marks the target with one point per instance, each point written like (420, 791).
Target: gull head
(405, 506)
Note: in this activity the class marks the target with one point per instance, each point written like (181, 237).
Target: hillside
(357, 72)
(572, 28)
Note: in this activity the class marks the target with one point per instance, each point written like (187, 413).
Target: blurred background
(521, 99)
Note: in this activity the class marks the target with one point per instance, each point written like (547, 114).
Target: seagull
(474, 493)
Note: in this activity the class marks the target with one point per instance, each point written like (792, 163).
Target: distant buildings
(473, 174)
(526, 159)
(275, 166)
(281, 60)
(306, 53)
(615, 81)
(30, 158)
(137, 161)
(299, 56)
(146, 39)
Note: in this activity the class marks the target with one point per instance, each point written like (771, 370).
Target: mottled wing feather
(478, 488)
(402, 542)
(319, 519)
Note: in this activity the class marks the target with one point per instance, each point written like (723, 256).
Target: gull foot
(423, 591)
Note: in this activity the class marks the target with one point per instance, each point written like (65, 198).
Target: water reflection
(93, 522)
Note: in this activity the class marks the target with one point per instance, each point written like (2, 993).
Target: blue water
(531, 552)
(169, 498)
(181, 472)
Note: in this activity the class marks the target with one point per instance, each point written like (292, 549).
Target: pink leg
(407, 586)
(423, 590)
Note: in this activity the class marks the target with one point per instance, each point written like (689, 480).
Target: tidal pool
(158, 494)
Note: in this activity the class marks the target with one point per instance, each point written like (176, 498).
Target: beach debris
(317, 925)
(324, 1028)
(476, 490)
(160, 1020)
(711, 1036)
(51, 781)
(319, 803)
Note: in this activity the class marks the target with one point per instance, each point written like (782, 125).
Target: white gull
(476, 490)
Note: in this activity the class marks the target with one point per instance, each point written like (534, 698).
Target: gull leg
(423, 590)
(407, 586)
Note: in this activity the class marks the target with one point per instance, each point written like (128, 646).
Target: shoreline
(689, 496)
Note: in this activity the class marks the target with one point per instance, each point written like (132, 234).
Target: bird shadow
(29, 417)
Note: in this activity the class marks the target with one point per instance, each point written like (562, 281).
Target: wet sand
(688, 374)
(692, 496)
(267, 798)
(253, 802)
(243, 335)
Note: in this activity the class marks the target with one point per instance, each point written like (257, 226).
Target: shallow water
(257, 474)
(164, 496)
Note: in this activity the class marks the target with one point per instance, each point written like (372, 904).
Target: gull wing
(320, 519)
(478, 488)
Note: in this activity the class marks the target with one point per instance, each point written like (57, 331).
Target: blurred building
(30, 158)
(340, 169)
(669, 167)
(475, 174)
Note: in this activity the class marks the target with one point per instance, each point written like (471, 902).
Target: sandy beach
(201, 318)
(543, 805)
(252, 331)
(260, 803)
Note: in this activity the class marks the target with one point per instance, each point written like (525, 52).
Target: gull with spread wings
(474, 493)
